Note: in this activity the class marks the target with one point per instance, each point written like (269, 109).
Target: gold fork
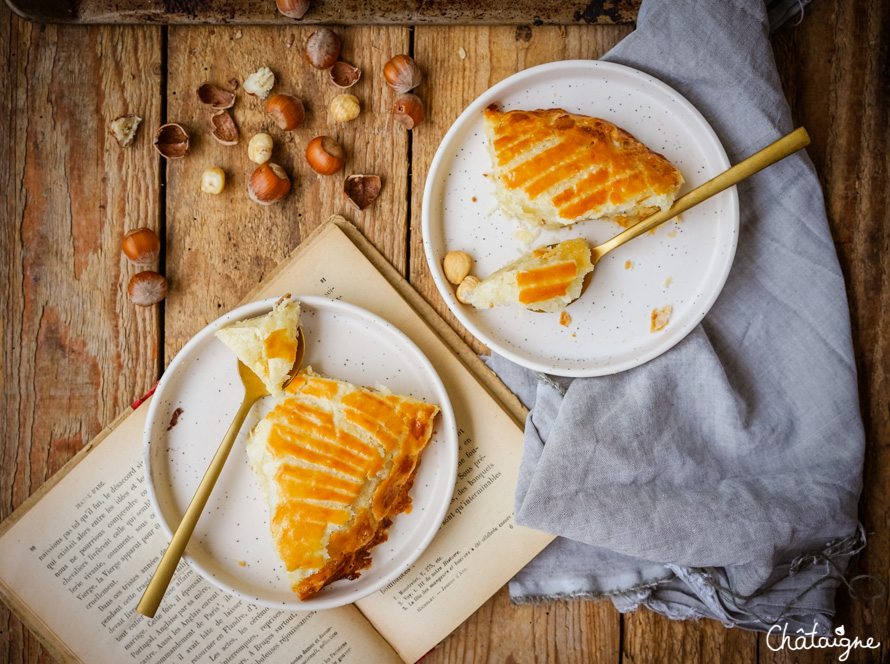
(254, 389)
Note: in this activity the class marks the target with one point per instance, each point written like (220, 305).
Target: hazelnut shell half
(344, 75)
(361, 190)
(224, 129)
(172, 141)
(215, 97)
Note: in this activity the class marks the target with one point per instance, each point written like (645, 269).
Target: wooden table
(76, 352)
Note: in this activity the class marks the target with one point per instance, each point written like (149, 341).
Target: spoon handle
(156, 588)
(772, 153)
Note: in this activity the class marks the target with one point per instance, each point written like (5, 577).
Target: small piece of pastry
(659, 318)
(546, 279)
(335, 463)
(267, 344)
(555, 168)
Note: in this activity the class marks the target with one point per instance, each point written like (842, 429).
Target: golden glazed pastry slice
(546, 279)
(335, 463)
(556, 168)
(267, 344)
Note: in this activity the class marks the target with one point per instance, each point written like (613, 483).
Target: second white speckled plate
(232, 545)
(684, 264)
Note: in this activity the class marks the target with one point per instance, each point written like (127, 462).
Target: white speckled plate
(232, 545)
(683, 264)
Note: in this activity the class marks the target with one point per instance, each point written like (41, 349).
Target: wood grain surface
(75, 352)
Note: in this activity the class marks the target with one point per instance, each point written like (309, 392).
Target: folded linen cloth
(720, 479)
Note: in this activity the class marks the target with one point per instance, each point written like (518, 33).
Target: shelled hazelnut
(259, 149)
(213, 180)
(465, 288)
(345, 107)
(124, 129)
(457, 265)
(260, 83)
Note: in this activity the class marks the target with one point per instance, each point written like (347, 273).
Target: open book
(76, 557)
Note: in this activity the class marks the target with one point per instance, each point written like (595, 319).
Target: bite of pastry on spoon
(549, 278)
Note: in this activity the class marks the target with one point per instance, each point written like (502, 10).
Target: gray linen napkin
(721, 479)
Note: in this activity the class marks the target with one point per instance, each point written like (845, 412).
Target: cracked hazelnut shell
(344, 75)
(224, 128)
(215, 97)
(172, 141)
(361, 190)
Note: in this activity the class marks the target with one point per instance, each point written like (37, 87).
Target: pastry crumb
(564, 319)
(660, 318)
(628, 265)
(672, 234)
(668, 281)
(243, 563)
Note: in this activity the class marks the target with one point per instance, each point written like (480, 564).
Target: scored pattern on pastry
(336, 463)
(551, 166)
(545, 279)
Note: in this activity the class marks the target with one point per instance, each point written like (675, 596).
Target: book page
(80, 559)
(479, 548)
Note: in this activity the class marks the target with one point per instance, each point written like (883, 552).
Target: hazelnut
(147, 288)
(325, 155)
(361, 190)
(213, 180)
(344, 75)
(408, 110)
(268, 184)
(172, 141)
(141, 246)
(293, 8)
(224, 129)
(465, 288)
(259, 149)
(215, 97)
(260, 83)
(345, 108)
(286, 111)
(402, 74)
(124, 129)
(323, 48)
(457, 265)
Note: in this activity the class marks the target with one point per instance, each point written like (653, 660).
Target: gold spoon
(253, 391)
(769, 155)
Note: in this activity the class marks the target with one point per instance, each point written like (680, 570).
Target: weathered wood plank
(74, 351)
(219, 247)
(834, 68)
(650, 637)
(499, 631)
(342, 12)
(568, 632)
